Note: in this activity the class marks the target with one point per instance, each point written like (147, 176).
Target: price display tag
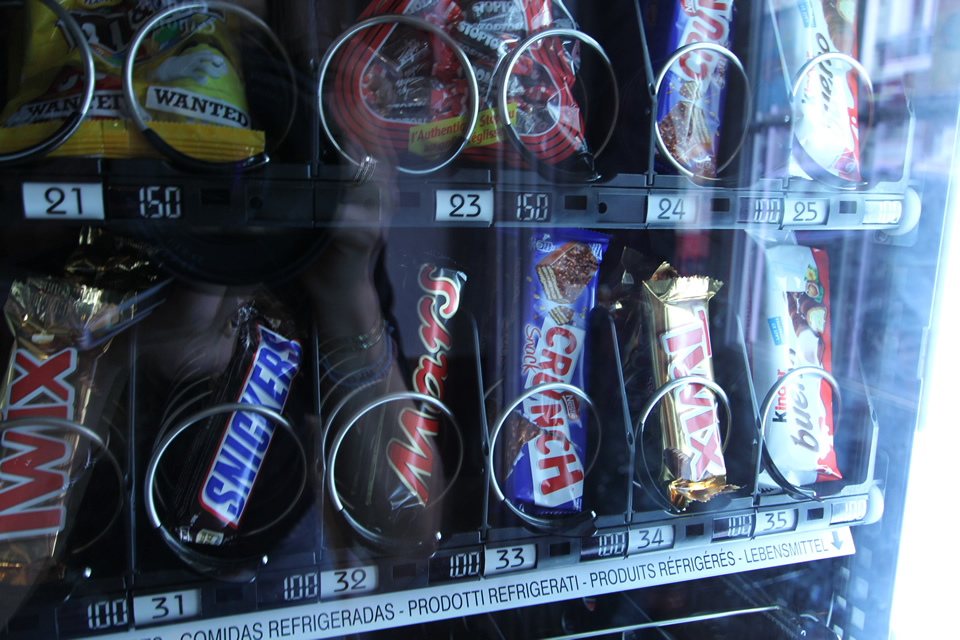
(760, 210)
(464, 206)
(604, 545)
(733, 527)
(848, 511)
(63, 200)
(800, 212)
(882, 211)
(347, 582)
(164, 607)
(529, 207)
(457, 566)
(160, 202)
(518, 557)
(670, 211)
(650, 539)
(776, 521)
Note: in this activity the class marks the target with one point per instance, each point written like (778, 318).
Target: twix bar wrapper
(680, 343)
(62, 328)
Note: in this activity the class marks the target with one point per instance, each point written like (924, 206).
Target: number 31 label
(64, 200)
(464, 206)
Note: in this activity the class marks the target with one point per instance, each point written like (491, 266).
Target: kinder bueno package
(187, 77)
(229, 451)
(792, 329)
(402, 88)
(691, 99)
(63, 326)
(826, 131)
(545, 438)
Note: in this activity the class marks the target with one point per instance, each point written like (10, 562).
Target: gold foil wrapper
(62, 327)
(679, 330)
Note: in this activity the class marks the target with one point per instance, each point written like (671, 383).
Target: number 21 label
(63, 200)
(464, 206)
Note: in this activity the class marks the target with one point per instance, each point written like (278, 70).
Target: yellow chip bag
(187, 77)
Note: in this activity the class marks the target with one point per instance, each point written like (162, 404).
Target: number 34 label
(464, 206)
(63, 200)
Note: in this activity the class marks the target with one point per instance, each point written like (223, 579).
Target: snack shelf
(148, 192)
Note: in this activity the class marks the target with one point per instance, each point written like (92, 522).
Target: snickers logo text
(411, 455)
(555, 464)
(233, 471)
(688, 352)
(33, 469)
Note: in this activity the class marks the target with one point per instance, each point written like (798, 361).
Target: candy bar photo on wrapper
(793, 330)
(679, 334)
(545, 438)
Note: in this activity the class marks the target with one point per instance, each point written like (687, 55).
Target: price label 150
(649, 539)
(164, 607)
(670, 211)
(464, 206)
(64, 200)
(518, 557)
(776, 521)
(883, 212)
(348, 582)
(805, 211)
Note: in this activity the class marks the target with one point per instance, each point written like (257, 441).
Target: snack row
(398, 90)
(394, 445)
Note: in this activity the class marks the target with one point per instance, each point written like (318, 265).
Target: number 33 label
(64, 200)
(464, 206)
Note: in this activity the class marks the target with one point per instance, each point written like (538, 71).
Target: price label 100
(59, 201)
(506, 559)
(464, 206)
(347, 582)
(670, 211)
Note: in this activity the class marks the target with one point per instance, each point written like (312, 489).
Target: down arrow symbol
(837, 542)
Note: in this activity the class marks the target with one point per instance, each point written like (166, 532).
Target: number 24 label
(672, 210)
(58, 201)
(464, 206)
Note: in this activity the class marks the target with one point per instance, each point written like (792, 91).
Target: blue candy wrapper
(691, 97)
(546, 436)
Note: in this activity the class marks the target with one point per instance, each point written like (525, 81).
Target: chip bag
(187, 77)
(401, 88)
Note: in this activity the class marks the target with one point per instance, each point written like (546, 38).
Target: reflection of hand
(197, 65)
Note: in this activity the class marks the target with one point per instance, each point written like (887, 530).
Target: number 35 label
(64, 200)
(464, 206)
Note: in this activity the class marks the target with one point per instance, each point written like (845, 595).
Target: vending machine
(471, 318)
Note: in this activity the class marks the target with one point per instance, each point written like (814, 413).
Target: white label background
(667, 567)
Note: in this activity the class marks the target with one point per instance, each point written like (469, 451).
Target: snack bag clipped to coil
(187, 77)
(400, 87)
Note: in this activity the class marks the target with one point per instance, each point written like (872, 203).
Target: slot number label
(669, 211)
(499, 560)
(775, 521)
(464, 206)
(650, 539)
(347, 582)
(800, 212)
(163, 607)
(60, 201)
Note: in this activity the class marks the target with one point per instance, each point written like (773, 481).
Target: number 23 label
(464, 206)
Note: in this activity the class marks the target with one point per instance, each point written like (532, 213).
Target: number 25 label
(464, 206)
(65, 200)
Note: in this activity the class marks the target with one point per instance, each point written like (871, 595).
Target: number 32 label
(64, 200)
(347, 582)
(464, 206)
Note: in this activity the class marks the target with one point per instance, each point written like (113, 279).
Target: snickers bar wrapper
(691, 99)
(826, 141)
(62, 327)
(227, 456)
(792, 331)
(545, 438)
(679, 325)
